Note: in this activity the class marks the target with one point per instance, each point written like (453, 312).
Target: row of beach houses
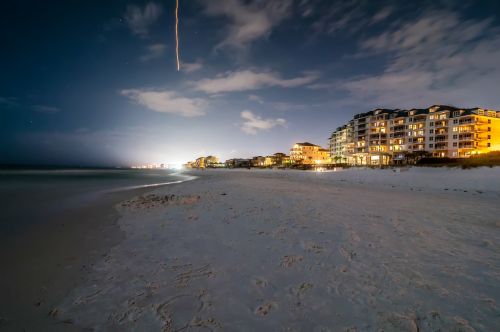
(388, 136)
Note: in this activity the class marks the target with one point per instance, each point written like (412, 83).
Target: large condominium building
(385, 135)
(309, 154)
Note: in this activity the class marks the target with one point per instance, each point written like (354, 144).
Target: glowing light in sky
(177, 33)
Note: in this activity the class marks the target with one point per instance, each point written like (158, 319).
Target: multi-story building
(384, 135)
(309, 154)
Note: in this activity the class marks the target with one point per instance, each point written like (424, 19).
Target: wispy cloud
(190, 67)
(139, 20)
(437, 58)
(8, 102)
(256, 99)
(306, 8)
(249, 21)
(254, 123)
(349, 16)
(251, 80)
(45, 109)
(165, 101)
(154, 51)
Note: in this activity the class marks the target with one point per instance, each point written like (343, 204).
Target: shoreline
(41, 264)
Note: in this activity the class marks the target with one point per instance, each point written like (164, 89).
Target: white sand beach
(354, 250)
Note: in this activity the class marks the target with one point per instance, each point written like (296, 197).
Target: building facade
(385, 136)
(309, 154)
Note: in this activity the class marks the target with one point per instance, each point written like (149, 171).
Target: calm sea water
(33, 196)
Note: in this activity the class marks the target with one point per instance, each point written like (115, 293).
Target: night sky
(95, 82)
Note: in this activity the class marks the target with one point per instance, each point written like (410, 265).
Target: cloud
(437, 58)
(8, 102)
(249, 21)
(250, 80)
(165, 101)
(45, 109)
(139, 20)
(351, 16)
(191, 67)
(154, 51)
(306, 8)
(256, 99)
(253, 123)
(382, 14)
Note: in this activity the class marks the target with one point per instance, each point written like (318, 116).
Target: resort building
(385, 136)
(258, 161)
(309, 154)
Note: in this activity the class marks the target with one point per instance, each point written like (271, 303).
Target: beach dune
(355, 250)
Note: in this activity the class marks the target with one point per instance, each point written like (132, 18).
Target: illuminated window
(431, 117)
(455, 128)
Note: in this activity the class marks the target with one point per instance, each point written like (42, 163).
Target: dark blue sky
(95, 82)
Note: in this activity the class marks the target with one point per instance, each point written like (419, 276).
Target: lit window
(455, 128)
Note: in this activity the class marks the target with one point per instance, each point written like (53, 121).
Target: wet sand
(43, 264)
(357, 250)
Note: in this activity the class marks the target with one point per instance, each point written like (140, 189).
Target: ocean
(33, 196)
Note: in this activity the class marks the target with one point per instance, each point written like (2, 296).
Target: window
(489, 145)
(431, 117)
(455, 128)
(489, 136)
(489, 128)
(410, 119)
(454, 144)
(489, 121)
(431, 124)
(456, 113)
(431, 138)
(455, 136)
(455, 121)
(431, 131)
(431, 146)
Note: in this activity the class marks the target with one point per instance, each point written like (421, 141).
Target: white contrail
(177, 33)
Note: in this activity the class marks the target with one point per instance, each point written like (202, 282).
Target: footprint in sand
(261, 283)
(290, 260)
(263, 309)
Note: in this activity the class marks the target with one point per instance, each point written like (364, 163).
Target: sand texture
(356, 250)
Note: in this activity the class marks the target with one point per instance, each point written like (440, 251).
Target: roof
(306, 144)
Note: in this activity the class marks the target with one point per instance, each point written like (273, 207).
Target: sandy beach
(354, 250)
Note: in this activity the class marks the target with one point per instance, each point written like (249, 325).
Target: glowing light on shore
(177, 33)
